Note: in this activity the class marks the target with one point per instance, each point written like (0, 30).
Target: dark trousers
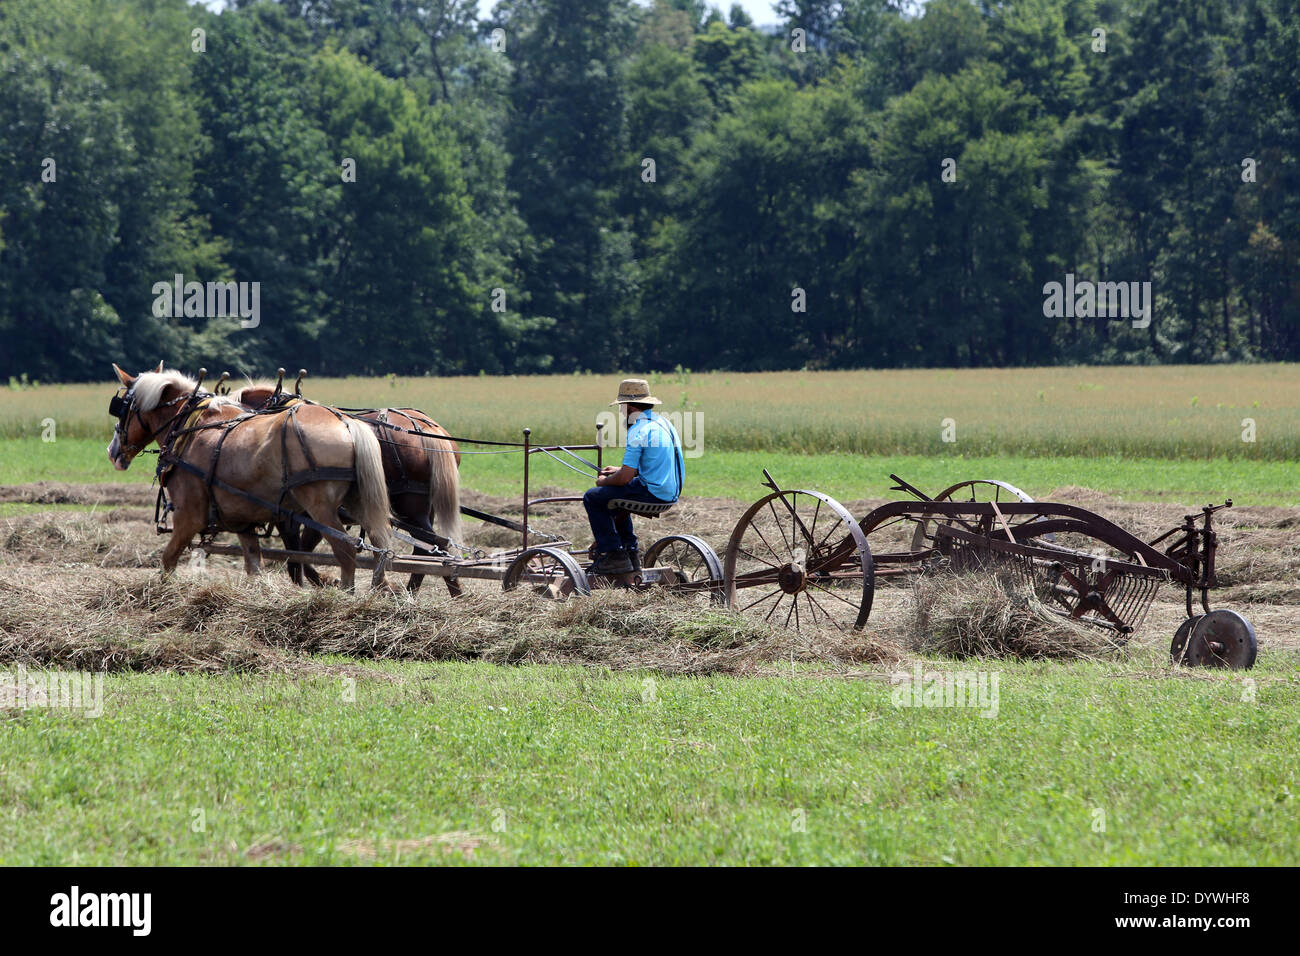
(613, 529)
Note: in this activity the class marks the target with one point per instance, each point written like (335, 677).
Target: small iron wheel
(552, 572)
(1222, 638)
(695, 564)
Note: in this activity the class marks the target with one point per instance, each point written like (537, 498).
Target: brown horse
(421, 469)
(312, 461)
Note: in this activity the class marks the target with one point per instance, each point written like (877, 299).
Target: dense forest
(601, 185)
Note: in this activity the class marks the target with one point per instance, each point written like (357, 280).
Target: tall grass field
(1170, 412)
(1192, 433)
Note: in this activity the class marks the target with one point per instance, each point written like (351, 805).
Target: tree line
(599, 185)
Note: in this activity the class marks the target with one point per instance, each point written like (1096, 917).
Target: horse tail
(372, 491)
(444, 486)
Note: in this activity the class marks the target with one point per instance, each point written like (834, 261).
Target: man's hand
(612, 475)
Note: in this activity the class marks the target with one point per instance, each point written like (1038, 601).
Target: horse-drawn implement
(543, 561)
(796, 557)
(549, 564)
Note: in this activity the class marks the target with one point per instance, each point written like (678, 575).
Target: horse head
(144, 406)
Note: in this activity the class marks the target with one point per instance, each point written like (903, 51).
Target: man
(653, 470)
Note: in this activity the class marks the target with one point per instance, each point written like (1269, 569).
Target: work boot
(612, 562)
(634, 555)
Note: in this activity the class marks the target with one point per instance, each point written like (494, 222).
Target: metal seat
(646, 509)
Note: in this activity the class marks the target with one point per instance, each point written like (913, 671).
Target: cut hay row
(104, 620)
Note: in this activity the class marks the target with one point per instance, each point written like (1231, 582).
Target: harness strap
(278, 510)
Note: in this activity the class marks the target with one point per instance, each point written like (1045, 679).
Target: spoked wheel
(550, 572)
(694, 563)
(799, 558)
(1221, 638)
(977, 490)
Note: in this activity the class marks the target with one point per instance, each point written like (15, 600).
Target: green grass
(739, 474)
(577, 767)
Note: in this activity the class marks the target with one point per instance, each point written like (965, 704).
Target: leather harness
(176, 440)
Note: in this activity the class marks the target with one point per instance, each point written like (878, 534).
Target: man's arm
(609, 475)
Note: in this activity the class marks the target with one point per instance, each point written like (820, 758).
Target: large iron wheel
(695, 564)
(981, 490)
(551, 572)
(799, 558)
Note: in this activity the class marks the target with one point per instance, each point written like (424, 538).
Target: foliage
(917, 173)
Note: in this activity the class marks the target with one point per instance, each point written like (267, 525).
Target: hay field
(313, 727)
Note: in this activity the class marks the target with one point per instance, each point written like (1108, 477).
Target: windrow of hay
(986, 615)
(107, 539)
(199, 623)
(91, 627)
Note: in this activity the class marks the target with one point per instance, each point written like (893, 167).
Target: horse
(217, 457)
(421, 467)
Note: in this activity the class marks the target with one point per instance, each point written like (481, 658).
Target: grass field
(276, 751)
(1088, 764)
(1173, 412)
(738, 474)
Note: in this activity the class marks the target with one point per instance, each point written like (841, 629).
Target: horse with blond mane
(221, 464)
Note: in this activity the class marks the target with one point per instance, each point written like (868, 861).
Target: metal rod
(527, 458)
(407, 564)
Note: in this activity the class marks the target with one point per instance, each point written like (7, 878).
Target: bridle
(122, 405)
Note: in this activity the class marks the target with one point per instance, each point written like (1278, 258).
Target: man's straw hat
(635, 391)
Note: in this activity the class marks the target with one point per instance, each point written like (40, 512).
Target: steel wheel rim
(694, 561)
(833, 553)
(921, 537)
(547, 562)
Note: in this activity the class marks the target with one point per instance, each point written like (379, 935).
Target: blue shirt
(655, 451)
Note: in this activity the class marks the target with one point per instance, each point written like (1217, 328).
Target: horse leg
(411, 509)
(328, 515)
(185, 525)
(289, 535)
(413, 585)
(306, 540)
(252, 548)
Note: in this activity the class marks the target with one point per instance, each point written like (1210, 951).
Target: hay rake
(798, 557)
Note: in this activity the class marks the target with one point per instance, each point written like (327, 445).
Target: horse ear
(160, 367)
(123, 377)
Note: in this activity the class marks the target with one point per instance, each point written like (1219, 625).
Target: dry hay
(108, 539)
(98, 621)
(67, 611)
(993, 615)
(62, 493)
